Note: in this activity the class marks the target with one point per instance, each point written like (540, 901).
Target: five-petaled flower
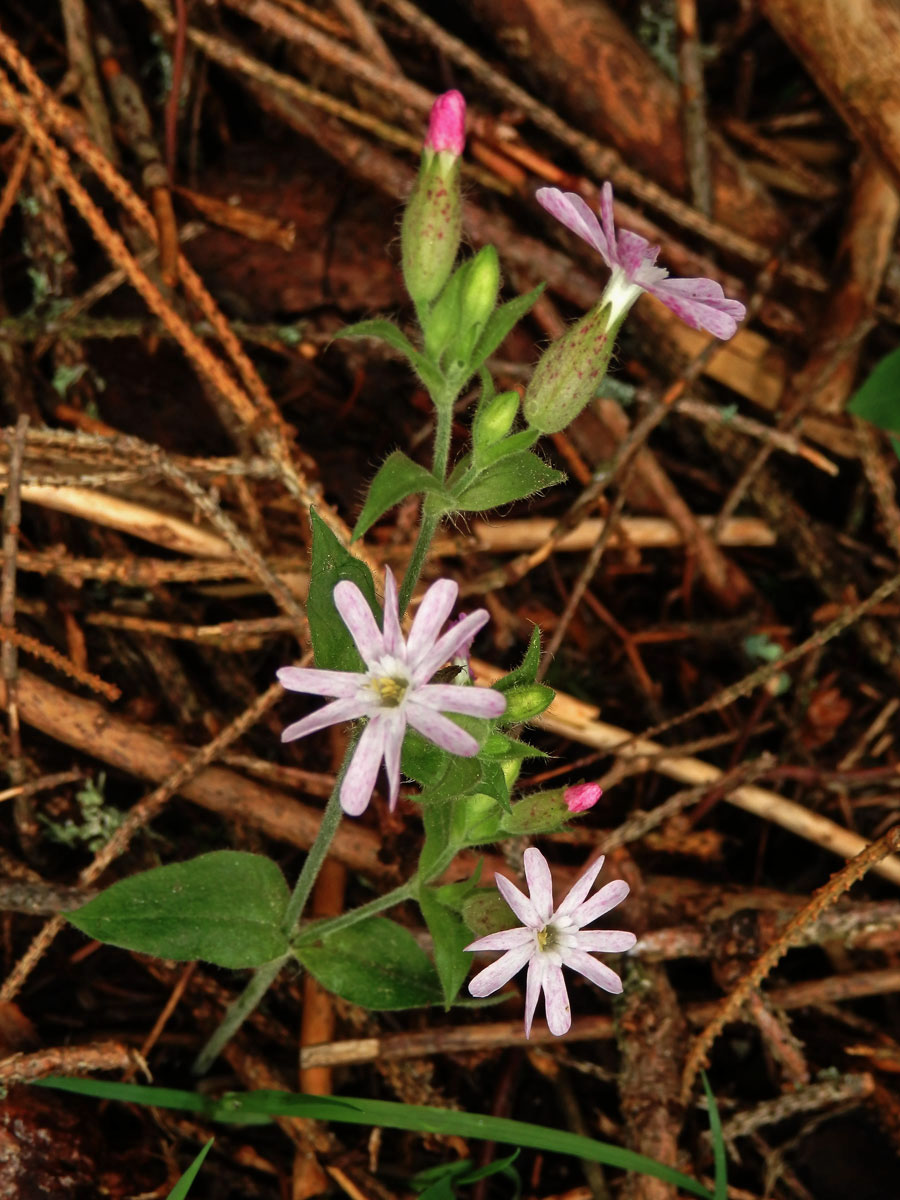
(553, 939)
(700, 303)
(394, 691)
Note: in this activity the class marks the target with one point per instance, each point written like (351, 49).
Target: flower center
(389, 690)
(546, 938)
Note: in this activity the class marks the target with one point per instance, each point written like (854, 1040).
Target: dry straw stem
(70, 1060)
(30, 645)
(867, 859)
(573, 719)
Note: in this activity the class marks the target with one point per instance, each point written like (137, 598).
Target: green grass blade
(244, 1106)
(180, 1190)
(718, 1141)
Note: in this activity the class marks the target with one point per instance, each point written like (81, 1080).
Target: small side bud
(432, 222)
(570, 371)
(479, 295)
(494, 421)
(582, 796)
(485, 911)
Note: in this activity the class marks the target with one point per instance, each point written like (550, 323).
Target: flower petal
(429, 621)
(606, 941)
(635, 252)
(357, 616)
(518, 902)
(459, 698)
(597, 972)
(540, 883)
(347, 709)
(694, 302)
(320, 683)
(505, 939)
(533, 989)
(436, 655)
(579, 891)
(608, 897)
(609, 223)
(576, 214)
(394, 730)
(440, 730)
(359, 780)
(556, 1001)
(392, 633)
(501, 971)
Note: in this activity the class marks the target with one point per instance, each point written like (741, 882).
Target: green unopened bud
(432, 226)
(479, 296)
(441, 323)
(543, 812)
(524, 703)
(569, 373)
(493, 420)
(485, 911)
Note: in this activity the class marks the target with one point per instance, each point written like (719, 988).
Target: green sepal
(397, 477)
(376, 964)
(333, 646)
(226, 908)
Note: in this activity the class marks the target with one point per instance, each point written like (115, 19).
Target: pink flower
(394, 692)
(700, 303)
(447, 124)
(551, 940)
(582, 796)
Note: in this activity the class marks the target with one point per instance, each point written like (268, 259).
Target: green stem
(325, 928)
(443, 406)
(427, 530)
(237, 1013)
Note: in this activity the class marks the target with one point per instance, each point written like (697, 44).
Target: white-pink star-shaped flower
(700, 303)
(552, 939)
(394, 691)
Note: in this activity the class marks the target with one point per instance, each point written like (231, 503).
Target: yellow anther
(390, 690)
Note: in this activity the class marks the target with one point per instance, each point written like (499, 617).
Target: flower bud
(432, 222)
(479, 293)
(527, 701)
(570, 371)
(485, 911)
(494, 421)
(447, 125)
(582, 796)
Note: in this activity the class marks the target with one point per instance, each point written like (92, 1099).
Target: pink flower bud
(582, 796)
(447, 124)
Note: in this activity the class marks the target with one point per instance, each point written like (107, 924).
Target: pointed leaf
(331, 562)
(376, 963)
(501, 324)
(181, 1188)
(512, 478)
(225, 908)
(878, 399)
(398, 477)
(450, 938)
(527, 672)
(387, 331)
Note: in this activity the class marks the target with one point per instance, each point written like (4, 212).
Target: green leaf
(501, 747)
(225, 908)
(493, 783)
(237, 1106)
(452, 895)
(422, 760)
(450, 939)
(387, 331)
(376, 964)
(501, 323)
(398, 477)
(509, 445)
(333, 646)
(878, 400)
(527, 672)
(512, 478)
(181, 1188)
(441, 1182)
